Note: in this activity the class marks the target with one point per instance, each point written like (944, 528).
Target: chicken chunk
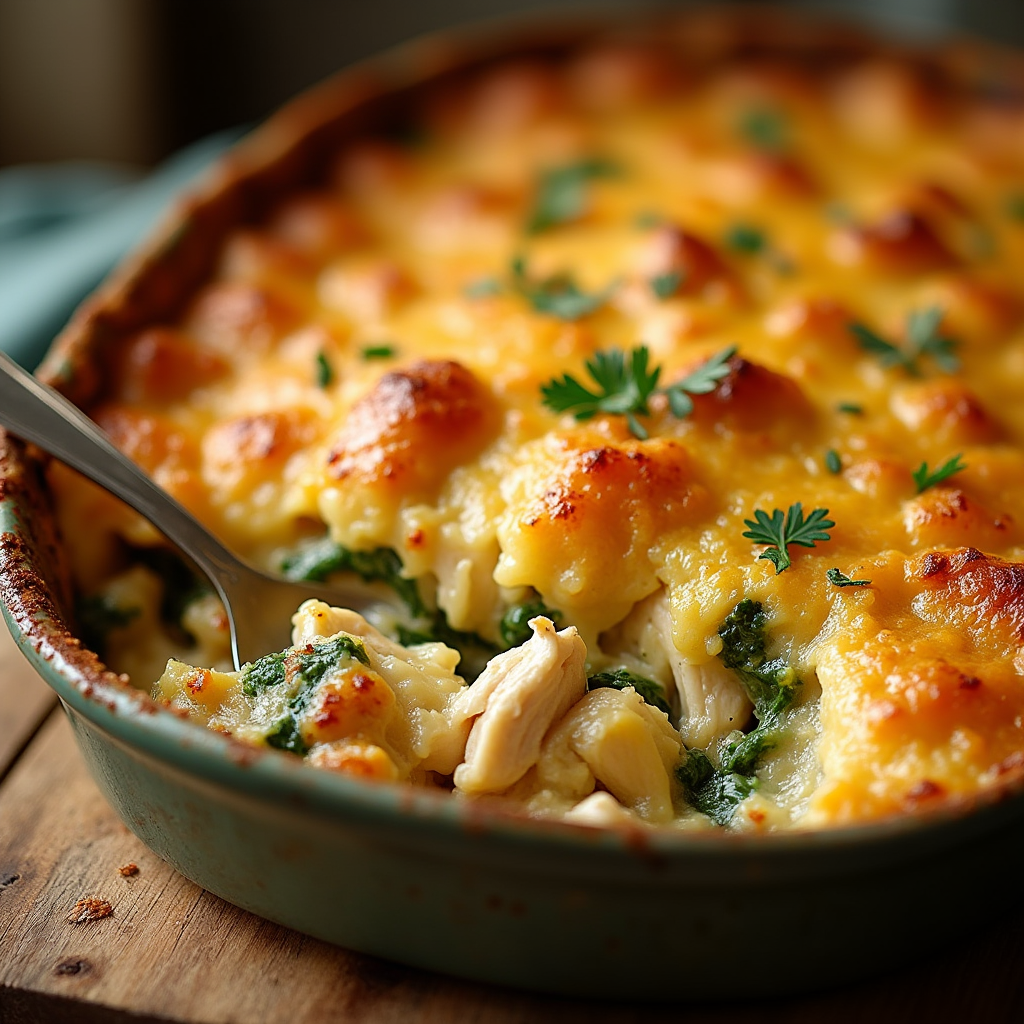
(514, 703)
(710, 698)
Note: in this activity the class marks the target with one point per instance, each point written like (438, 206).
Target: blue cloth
(64, 226)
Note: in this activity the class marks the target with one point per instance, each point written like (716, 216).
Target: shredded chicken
(711, 700)
(514, 703)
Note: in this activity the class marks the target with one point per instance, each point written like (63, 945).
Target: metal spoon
(259, 606)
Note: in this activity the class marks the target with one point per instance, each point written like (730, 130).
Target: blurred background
(134, 80)
(109, 107)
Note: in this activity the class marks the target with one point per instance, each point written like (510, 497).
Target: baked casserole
(668, 389)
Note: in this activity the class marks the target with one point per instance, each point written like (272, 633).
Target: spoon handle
(34, 412)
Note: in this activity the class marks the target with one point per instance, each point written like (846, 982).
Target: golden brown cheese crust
(368, 360)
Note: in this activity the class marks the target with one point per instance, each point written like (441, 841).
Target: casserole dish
(468, 887)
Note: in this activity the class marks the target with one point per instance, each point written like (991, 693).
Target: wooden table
(170, 951)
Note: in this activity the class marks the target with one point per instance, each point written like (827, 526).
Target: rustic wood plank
(173, 951)
(25, 700)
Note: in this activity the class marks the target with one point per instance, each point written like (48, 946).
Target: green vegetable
(666, 285)
(562, 192)
(746, 238)
(711, 791)
(378, 352)
(557, 296)
(319, 559)
(98, 614)
(923, 340)
(624, 390)
(850, 408)
(833, 463)
(840, 579)
(302, 668)
(475, 651)
(771, 684)
(783, 529)
(925, 478)
(324, 370)
(765, 129)
(515, 623)
(287, 737)
(620, 679)
(700, 381)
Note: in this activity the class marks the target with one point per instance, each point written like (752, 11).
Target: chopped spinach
(620, 679)
(515, 623)
(713, 792)
(304, 668)
(771, 684)
(475, 651)
(318, 560)
(287, 737)
(98, 614)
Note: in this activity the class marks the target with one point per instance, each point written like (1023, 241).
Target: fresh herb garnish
(324, 370)
(850, 408)
(619, 679)
(839, 579)
(700, 381)
(923, 340)
(562, 192)
(515, 623)
(785, 528)
(765, 129)
(624, 389)
(833, 463)
(558, 295)
(666, 285)
(317, 560)
(925, 478)
(746, 238)
(378, 352)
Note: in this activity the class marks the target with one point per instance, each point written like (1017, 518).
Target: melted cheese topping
(369, 363)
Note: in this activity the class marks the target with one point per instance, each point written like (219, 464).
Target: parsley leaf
(839, 579)
(746, 238)
(379, 352)
(558, 295)
(850, 408)
(626, 388)
(833, 463)
(666, 285)
(700, 381)
(324, 370)
(925, 478)
(782, 529)
(562, 192)
(923, 339)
